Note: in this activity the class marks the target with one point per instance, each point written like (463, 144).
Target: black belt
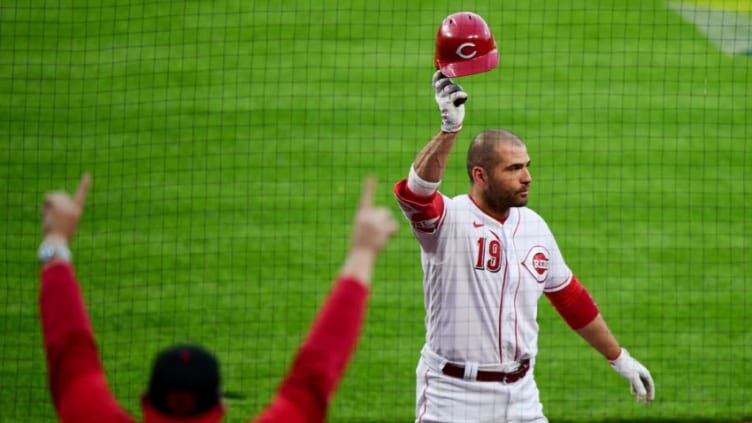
(454, 370)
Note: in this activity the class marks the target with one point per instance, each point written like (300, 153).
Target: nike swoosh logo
(477, 225)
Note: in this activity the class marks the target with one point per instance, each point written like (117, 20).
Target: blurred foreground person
(185, 385)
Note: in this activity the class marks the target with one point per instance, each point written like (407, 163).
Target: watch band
(48, 251)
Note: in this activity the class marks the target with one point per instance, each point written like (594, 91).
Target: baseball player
(487, 259)
(185, 383)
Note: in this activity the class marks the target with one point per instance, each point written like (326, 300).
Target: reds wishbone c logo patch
(536, 263)
(464, 51)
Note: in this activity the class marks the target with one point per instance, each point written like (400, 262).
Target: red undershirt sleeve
(574, 304)
(76, 378)
(322, 359)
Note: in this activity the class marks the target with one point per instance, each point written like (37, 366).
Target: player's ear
(479, 176)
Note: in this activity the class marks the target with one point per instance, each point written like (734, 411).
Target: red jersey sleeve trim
(425, 213)
(574, 304)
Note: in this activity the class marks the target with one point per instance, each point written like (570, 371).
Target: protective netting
(228, 140)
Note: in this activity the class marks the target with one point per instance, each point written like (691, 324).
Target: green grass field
(228, 141)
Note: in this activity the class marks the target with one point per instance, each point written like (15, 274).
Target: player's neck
(500, 215)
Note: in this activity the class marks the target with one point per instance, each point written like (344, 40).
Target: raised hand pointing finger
(83, 188)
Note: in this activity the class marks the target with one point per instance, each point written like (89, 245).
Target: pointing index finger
(366, 197)
(83, 187)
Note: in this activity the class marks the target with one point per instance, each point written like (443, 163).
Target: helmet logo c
(460, 51)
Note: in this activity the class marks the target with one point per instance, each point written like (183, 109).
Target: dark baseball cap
(185, 382)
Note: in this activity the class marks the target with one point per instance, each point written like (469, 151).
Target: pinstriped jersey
(482, 277)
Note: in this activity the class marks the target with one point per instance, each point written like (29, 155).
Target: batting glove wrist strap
(451, 101)
(637, 375)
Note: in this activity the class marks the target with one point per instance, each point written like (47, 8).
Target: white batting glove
(451, 100)
(637, 375)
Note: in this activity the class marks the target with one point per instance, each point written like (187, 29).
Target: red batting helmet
(465, 45)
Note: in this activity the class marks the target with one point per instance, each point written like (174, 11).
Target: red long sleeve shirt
(79, 388)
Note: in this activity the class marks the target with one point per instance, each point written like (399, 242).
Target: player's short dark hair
(482, 150)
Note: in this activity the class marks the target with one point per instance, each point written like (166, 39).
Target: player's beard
(499, 199)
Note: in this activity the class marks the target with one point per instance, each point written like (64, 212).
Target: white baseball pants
(446, 399)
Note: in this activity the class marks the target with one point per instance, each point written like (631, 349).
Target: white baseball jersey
(482, 277)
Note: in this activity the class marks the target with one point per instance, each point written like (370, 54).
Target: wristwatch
(48, 251)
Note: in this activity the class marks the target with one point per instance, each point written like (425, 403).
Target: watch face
(49, 251)
(46, 252)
